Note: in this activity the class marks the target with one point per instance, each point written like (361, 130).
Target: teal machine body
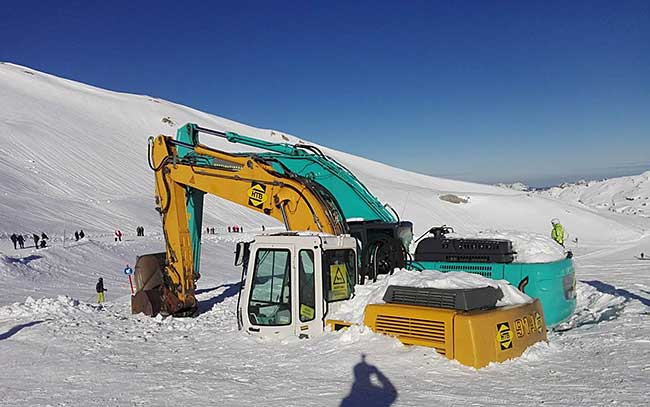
(553, 282)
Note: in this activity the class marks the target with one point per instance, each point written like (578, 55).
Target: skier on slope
(14, 240)
(100, 290)
(557, 233)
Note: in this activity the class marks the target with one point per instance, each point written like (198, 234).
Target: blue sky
(482, 91)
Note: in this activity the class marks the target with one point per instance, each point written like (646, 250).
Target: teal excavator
(383, 238)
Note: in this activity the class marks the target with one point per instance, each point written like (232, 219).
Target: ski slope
(74, 156)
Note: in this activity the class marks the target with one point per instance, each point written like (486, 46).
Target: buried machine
(291, 282)
(384, 239)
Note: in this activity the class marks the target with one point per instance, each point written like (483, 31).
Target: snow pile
(592, 307)
(361, 333)
(61, 305)
(373, 293)
(530, 247)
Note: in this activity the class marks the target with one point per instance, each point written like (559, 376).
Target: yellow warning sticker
(504, 335)
(306, 312)
(257, 194)
(339, 282)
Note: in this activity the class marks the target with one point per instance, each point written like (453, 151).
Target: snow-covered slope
(628, 195)
(74, 156)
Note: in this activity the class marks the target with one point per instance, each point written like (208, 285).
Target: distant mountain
(627, 195)
(516, 186)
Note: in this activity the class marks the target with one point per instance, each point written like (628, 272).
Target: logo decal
(257, 195)
(504, 336)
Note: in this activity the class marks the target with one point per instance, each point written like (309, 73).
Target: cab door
(308, 297)
(269, 292)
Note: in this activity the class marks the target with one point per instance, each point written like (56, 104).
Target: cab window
(307, 306)
(339, 274)
(270, 299)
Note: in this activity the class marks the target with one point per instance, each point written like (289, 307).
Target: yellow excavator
(293, 282)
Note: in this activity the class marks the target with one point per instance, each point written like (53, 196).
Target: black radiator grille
(412, 328)
(464, 299)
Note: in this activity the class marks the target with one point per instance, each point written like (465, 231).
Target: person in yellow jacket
(557, 233)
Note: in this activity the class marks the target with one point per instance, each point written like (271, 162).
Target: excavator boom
(184, 172)
(383, 237)
(355, 200)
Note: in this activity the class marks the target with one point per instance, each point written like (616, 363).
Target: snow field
(600, 356)
(74, 156)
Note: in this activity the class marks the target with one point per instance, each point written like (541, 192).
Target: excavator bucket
(148, 276)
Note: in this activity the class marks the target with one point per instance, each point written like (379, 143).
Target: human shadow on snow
(366, 393)
(17, 328)
(231, 290)
(619, 292)
(23, 260)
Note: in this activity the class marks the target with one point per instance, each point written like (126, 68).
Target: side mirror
(241, 253)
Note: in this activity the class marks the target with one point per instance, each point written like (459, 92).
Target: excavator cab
(290, 281)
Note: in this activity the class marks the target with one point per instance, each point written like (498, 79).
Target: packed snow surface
(373, 293)
(74, 157)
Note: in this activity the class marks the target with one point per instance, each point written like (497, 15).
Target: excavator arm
(383, 238)
(355, 200)
(184, 172)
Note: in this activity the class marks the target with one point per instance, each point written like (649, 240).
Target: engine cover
(465, 250)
